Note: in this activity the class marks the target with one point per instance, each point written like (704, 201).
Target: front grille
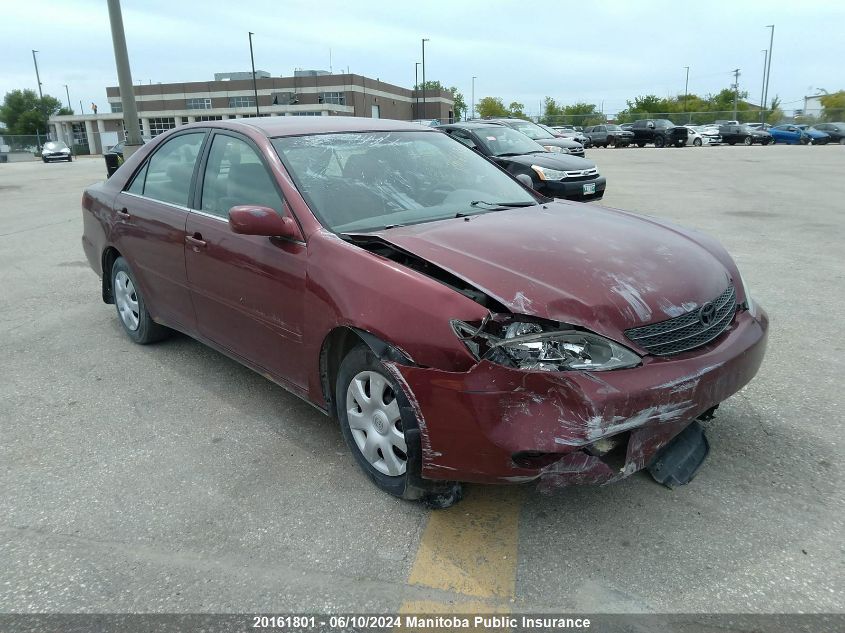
(687, 331)
(581, 174)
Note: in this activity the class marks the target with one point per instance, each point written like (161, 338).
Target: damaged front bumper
(494, 424)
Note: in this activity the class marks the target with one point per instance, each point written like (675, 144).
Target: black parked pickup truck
(661, 132)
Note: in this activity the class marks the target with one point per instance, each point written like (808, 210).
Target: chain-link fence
(772, 117)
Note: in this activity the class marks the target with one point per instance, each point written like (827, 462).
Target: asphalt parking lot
(169, 478)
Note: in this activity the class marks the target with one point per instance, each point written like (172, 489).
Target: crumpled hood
(601, 268)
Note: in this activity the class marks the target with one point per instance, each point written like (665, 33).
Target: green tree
(552, 112)
(833, 106)
(516, 109)
(491, 107)
(23, 112)
(460, 107)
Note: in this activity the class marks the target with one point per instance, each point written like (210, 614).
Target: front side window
(167, 174)
(366, 181)
(235, 175)
(504, 141)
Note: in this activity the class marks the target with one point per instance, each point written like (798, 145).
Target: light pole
(254, 83)
(417, 88)
(124, 80)
(473, 97)
(686, 92)
(424, 40)
(765, 52)
(37, 76)
(736, 90)
(769, 62)
(67, 92)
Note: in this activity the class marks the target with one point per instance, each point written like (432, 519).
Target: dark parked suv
(661, 132)
(553, 174)
(608, 136)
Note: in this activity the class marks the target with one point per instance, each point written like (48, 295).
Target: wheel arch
(109, 257)
(338, 343)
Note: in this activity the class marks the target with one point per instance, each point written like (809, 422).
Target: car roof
(470, 125)
(274, 126)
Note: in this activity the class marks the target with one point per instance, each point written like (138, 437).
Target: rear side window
(167, 174)
(236, 175)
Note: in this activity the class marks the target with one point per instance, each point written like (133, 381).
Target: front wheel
(746, 141)
(659, 141)
(696, 142)
(131, 309)
(380, 427)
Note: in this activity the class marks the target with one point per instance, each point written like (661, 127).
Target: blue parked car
(793, 135)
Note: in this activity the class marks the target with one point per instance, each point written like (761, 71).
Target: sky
(602, 51)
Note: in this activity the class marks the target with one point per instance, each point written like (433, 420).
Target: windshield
(531, 130)
(504, 141)
(54, 145)
(359, 182)
(613, 128)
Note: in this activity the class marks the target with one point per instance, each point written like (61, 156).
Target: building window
(80, 137)
(283, 98)
(200, 103)
(116, 107)
(161, 124)
(209, 117)
(307, 113)
(337, 98)
(241, 102)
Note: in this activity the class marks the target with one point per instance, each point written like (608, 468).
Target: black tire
(696, 142)
(611, 142)
(147, 331)
(746, 141)
(44, 159)
(409, 485)
(659, 141)
(804, 140)
(70, 159)
(731, 143)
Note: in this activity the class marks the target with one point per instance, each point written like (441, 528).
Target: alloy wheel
(376, 422)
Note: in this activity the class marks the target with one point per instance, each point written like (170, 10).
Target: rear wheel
(131, 309)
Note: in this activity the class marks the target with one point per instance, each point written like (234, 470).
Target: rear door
(248, 290)
(150, 229)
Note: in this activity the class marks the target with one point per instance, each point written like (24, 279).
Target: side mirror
(525, 179)
(651, 126)
(254, 220)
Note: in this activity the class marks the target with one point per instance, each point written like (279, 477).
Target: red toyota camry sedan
(458, 325)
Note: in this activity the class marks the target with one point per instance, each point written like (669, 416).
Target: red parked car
(458, 325)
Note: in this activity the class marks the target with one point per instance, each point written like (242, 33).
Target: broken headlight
(537, 346)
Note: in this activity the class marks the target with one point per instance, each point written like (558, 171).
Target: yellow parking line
(470, 550)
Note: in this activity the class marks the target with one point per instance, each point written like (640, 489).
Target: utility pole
(473, 97)
(686, 92)
(254, 83)
(736, 90)
(417, 88)
(424, 40)
(37, 76)
(67, 92)
(769, 62)
(124, 80)
(765, 52)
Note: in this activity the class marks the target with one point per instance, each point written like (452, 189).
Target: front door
(247, 289)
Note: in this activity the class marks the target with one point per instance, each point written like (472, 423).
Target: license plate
(589, 188)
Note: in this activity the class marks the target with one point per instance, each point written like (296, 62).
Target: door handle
(123, 214)
(196, 241)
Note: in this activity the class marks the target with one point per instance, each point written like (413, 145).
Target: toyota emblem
(707, 314)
